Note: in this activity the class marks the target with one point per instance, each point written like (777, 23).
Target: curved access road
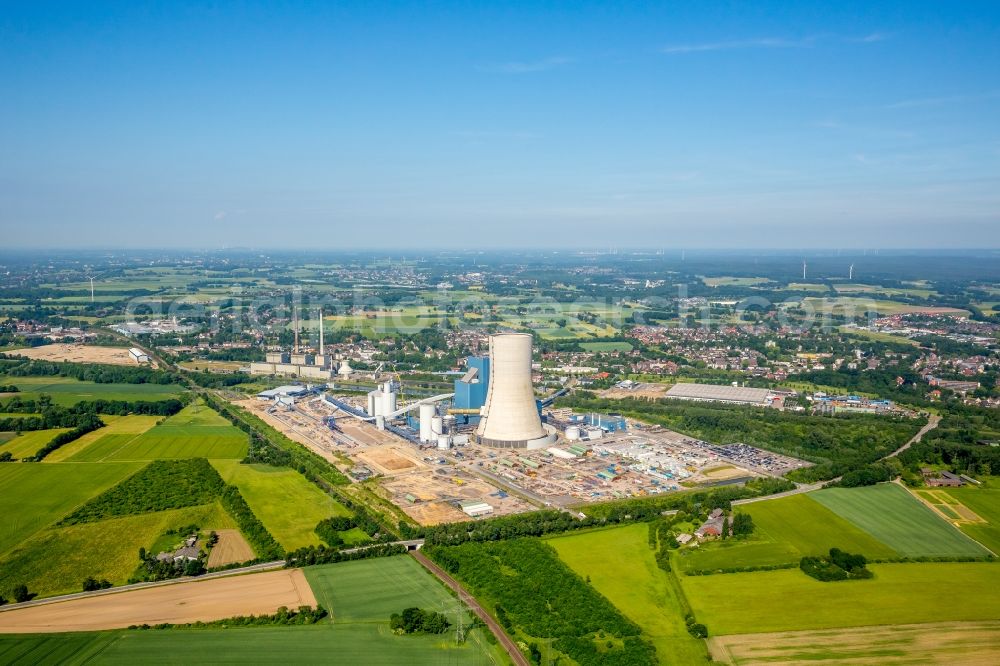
(509, 645)
(932, 422)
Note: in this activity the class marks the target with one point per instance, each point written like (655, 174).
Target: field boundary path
(254, 568)
(509, 645)
(932, 422)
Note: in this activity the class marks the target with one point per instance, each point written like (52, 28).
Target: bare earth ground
(647, 391)
(231, 548)
(313, 443)
(973, 643)
(252, 594)
(388, 459)
(78, 354)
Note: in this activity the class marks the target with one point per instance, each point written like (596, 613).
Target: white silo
(444, 442)
(427, 413)
(510, 417)
(437, 426)
(572, 433)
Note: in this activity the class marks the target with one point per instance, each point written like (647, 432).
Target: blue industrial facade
(472, 394)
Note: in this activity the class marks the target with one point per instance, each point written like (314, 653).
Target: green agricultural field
(606, 346)
(28, 443)
(68, 391)
(196, 414)
(36, 495)
(729, 281)
(789, 600)
(640, 590)
(116, 425)
(58, 559)
(896, 518)
(289, 506)
(985, 502)
(359, 643)
(371, 590)
(195, 432)
(786, 529)
(857, 306)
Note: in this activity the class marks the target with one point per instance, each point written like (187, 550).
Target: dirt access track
(252, 594)
(78, 354)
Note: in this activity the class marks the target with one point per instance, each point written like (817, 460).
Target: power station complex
(510, 417)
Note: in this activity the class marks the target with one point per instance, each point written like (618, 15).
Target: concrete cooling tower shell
(510, 417)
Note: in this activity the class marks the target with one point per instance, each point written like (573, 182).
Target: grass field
(56, 560)
(896, 518)
(789, 600)
(69, 391)
(27, 443)
(287, 504)
(786, 529)
(962, 642)
(35, 495)
(116, 425)
(639, 590)
(195, 432)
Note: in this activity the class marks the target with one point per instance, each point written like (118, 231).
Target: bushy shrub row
(263, 543)
(309, 555)
(301, 616)
(90, 423)
(160, 485)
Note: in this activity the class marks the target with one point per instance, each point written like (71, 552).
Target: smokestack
(320, 313)
(510, 417)
(295, 325)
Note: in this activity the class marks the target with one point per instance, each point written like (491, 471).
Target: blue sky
(401, 125)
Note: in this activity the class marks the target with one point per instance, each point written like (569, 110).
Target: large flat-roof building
(719, 393)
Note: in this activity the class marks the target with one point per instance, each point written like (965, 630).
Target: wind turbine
(850, 272)
(803, 269)
(91, 290)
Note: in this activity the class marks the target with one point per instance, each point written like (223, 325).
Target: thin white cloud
(520, 67)
(771, 43)
(871, 38)
(762, 43)
(221, 215)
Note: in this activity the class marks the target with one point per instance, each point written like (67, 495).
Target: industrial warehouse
(491, 447)
(720, 393)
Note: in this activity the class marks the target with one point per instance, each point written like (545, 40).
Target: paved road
(515, 654)
(254, 568)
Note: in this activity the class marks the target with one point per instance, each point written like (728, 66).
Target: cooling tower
(510, 417)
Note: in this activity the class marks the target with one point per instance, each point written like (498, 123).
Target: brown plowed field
(252, 594)
(232, 547)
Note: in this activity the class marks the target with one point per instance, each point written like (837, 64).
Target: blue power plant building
(470, 390)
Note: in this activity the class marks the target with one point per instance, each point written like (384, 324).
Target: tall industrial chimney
(510, 417)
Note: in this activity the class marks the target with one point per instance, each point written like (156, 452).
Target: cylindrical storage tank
(388, 402)
(595, 433)
(437, 426)
(372, 396)
(444, 442)
(448, 423)
(572, 433)
(510, 414)
(427, 414)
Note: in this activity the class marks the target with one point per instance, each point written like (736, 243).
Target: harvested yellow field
(216, 599)
(972, 643)
(231, 548)
(78, 354)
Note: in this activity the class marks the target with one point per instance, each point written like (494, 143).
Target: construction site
(491, 447)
